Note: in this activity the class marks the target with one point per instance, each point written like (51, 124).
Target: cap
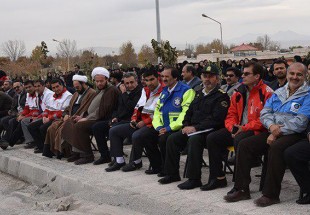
(212, 69)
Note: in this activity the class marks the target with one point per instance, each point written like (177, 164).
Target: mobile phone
(234, 130)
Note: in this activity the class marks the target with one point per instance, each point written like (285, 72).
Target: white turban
(82, 78)
(100, 71)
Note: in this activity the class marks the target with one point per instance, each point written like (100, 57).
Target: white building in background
(260, 55)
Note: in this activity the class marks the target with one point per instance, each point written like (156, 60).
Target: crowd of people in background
(166, 111)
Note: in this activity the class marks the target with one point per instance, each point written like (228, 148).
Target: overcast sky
(109, 23)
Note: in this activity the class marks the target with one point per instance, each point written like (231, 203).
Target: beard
(281, 76)
(81, 91)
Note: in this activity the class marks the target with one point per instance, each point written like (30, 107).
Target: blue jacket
(171, 108)
(293, 112)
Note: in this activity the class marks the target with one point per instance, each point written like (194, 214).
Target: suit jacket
(194, 84)
(22, 100)
(11, 93)
(126, 104)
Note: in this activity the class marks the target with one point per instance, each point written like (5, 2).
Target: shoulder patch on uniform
(224, 104)
(222, 91)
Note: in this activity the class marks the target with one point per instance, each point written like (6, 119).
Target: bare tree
(66, 48)
(14, 49)
(265, 41)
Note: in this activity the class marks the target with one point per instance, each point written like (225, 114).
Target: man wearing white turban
(81, 99)
(101, 108)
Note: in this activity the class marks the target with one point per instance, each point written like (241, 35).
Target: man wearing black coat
(127, 100)
(5, 104)
(207, 111)
(9, 123)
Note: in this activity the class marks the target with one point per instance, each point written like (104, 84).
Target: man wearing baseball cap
(242, 121)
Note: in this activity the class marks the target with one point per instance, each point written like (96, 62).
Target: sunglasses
(247, 73)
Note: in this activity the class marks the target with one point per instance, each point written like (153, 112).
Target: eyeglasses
(247, 73)
(230, 76)
(17, 87)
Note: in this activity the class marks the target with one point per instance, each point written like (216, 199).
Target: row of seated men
(163, 119)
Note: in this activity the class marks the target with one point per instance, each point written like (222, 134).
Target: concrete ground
(136, 192)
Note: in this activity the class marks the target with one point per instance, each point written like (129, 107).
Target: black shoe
(304, 200)
(169, 179)
(74, 156)
(232, 191)
(161, 174)
(30, 145)
(59, 155)
(102, 160)
(84, 160)
(4, 144)
(132, 166)
(112, 162)
(237, 196)
(214, 183)
(47, 151)
(115, 166)
(152, 171)
(190, 184)
(37, 151)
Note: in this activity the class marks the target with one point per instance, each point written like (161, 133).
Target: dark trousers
(117, 135)
(251, 147)
(38, 131)
(176, 142)
(13, 130)
(101, 131)
(217, 143)
(146, 138)
(297, 158)
(4, 122)
(162, 140)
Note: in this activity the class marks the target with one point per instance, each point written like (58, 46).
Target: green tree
(44, 49)
(164, 50)
(37, 55)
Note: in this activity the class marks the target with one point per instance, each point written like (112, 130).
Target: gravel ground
(20, 198)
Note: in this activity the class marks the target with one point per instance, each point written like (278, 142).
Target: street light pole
(68, 59)
(158, 25)
(204, 15)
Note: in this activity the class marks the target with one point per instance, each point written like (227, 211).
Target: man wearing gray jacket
(232, 77)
